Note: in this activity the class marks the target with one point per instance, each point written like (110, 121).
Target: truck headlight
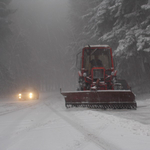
(84, 74)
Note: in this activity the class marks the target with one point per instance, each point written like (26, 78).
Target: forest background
(38, 51)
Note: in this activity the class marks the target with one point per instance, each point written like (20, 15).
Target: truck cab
(97, 68)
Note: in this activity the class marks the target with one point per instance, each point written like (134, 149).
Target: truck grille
(98, 74)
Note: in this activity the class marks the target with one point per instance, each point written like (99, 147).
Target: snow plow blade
(105, 99)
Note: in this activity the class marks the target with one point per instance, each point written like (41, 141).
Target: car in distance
(28, 93)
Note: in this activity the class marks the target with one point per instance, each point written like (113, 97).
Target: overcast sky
(42, 18)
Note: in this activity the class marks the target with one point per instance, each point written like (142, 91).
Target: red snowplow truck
(98, 83)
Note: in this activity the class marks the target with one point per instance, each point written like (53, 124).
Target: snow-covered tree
(125, 26)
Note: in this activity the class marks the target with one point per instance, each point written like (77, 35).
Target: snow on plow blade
(116, 99)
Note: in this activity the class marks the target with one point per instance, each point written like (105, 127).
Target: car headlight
(19, 95)
(30, 95)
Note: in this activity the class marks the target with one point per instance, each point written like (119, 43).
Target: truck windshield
(103, 57)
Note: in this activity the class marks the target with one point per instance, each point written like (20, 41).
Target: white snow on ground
(46, 124)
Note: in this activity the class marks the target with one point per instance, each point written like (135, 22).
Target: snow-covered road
(46, 124)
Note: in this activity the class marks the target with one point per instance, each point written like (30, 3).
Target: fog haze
(43, 26)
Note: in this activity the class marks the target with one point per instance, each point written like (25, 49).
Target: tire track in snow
(17, 106)
(14, 110)
(11, 135)
(99, 141)
(6, 135)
